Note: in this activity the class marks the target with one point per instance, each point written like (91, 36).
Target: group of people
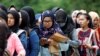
(24, 33)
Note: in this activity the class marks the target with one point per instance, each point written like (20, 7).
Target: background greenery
(68, 5)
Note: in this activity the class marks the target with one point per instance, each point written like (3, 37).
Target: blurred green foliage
(68, 5)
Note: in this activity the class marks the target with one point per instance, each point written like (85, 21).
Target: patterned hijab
(54, 28)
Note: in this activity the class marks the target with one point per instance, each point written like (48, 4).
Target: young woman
(32, 34)
(31, 13)
(24, 20)
(24, 29)
(66, 24)
(48, 27)
(95, 19)
(88, 45)
(13, 20)
(13, 24)
(96, 26)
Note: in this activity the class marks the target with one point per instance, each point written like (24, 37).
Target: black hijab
(65, 22)
(15, 14)
(25, 20)
(3, 14)
(31, 13)
(2, 7)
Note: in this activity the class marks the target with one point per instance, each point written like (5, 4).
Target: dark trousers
(98, 52)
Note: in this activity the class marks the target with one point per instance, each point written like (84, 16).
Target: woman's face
(95, 23)
(83, 21)
(10, 20)
(47, 22)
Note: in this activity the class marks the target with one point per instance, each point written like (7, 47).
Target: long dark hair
(4, 35)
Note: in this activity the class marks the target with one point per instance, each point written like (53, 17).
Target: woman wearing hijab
(31, 13)
(24, 29)
(74, 14)
(95, 19)
(13, 24)
(48, 27)
(13, 20)
(96, 26)
(66, 24)
(33, 39)
(24, 20)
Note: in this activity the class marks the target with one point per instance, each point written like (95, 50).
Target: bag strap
(20, 31)
(77, 32)
(91, 34)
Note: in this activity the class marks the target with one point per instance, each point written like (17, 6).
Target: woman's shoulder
(78, 29)
(13, 35)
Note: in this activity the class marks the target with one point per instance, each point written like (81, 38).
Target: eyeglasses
(47, 21)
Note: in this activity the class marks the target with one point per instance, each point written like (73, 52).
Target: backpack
(20, 31)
